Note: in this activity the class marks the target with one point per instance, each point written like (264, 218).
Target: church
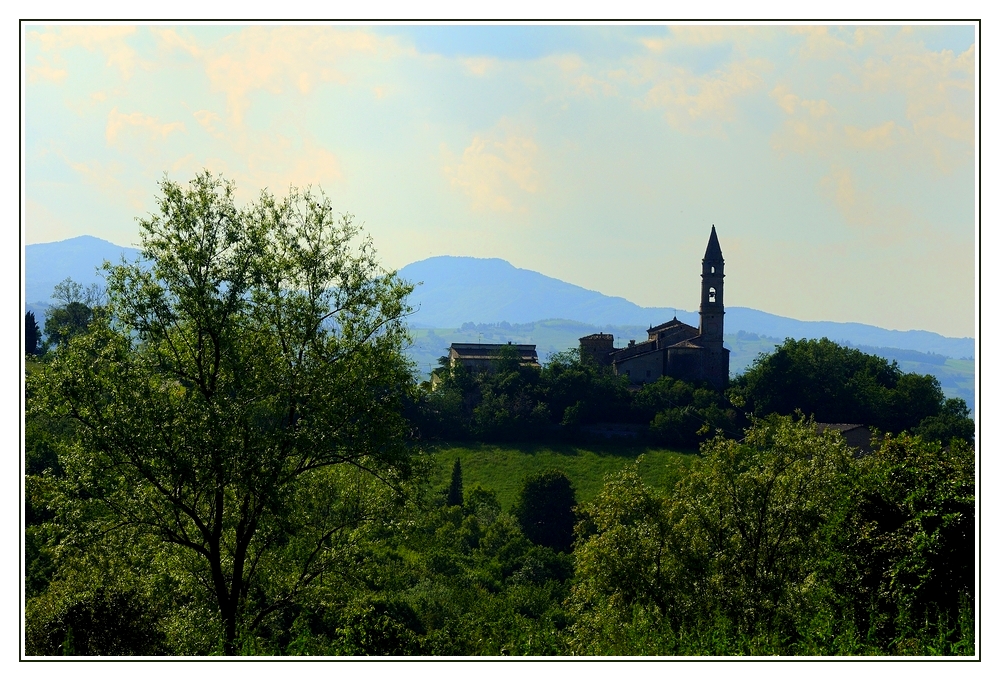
(675, 349)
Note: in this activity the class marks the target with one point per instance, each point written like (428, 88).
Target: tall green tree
(238, 403)
(31, 334)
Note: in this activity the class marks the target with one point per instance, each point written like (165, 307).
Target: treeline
(560, 400)
(819, 378)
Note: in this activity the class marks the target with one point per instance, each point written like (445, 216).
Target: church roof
(673, 323)
(714, 250)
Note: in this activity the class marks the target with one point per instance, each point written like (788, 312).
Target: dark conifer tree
(455, 495)
(31, 334)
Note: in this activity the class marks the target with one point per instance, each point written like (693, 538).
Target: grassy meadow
(503, 468)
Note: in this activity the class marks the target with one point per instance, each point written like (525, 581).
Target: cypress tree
(455, 489)
(31, 334)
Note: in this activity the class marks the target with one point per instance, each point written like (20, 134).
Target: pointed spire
(714, 251)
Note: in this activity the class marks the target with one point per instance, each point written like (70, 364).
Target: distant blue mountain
(457, 290)
(78, 258)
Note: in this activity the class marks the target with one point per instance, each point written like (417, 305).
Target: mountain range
(452, 291)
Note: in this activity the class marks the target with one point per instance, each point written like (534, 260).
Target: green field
(503, 468)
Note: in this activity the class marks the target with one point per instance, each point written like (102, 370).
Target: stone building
(855, 435)
(676, 349)
(481, 356)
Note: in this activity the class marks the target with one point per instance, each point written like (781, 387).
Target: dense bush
(783, 543)
(545, 510)
(837, 384)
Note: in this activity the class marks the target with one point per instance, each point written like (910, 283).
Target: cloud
(279, 60)
(874, 221)
(208, 120)
(873, 70)
(106, 178)
(480, 66)
(820, 43)
(44, 70)
(496, 166)
(879, 137)
(109, 40)
(276, 162)
(137, 122)
(169, 39)
(702, 36)
(688, 99)
(938, 88)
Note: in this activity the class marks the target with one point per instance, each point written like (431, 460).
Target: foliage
(681, 414)
(783, 543)
(218, 395)
(579, 392)
(455, 496)
(836, 384)
(32, 334)
(953, 421)
(63, 323)
(914, 532)
(544, 510)
(100, 621)
(512, 402)
(742, 535)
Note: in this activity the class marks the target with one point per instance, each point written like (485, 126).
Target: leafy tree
(455, 488)
(99, 621)
(544, 509)
(68, 292)
(744, 536)
(63, 323)
(237, 403)
(952, 422)
(31, 334)
(914, 530)
(837, 384)
(578, 391)
(508, 406)
(681, 414)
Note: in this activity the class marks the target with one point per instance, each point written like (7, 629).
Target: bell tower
(715, 364)
(712, 274)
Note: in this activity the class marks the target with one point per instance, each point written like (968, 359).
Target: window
(711, 294)
(713, 270)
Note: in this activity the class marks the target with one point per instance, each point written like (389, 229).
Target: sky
(836, 162)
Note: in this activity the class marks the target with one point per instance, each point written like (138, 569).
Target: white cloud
(278, 60)
(496, 169)
(136, 122)
(688, 99)
(109, 40)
